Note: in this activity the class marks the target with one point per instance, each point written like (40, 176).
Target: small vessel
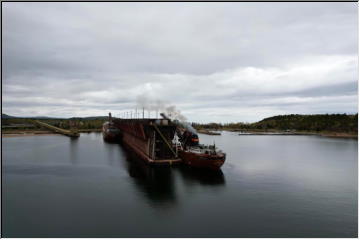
(191, 152)
(203, 156)
(110, 132)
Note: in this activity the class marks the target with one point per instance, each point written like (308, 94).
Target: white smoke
(151, 103)
(186, 125)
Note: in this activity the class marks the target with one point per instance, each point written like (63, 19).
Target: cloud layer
(216, 61)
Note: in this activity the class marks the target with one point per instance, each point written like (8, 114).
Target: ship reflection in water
(158, 183)
(269, 186)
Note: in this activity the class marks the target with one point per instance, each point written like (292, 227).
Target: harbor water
(269, 186)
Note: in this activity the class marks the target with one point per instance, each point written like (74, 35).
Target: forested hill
(293, 122)
(318, 122)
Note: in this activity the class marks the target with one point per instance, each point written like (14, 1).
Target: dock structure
(69, 133)
(150, 139)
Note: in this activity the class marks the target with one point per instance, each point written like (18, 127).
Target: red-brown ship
(203, 156)
(194, 154)
(150, 139)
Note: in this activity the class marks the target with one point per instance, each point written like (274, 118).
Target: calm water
(270, 186)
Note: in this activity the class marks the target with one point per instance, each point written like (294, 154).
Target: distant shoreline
(283, 133)
(336, 135)
(323, 133)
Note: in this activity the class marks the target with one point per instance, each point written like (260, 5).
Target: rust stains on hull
(149, 139)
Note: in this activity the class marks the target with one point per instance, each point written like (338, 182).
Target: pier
(69, 133)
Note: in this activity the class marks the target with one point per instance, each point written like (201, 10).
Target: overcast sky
(217, 62)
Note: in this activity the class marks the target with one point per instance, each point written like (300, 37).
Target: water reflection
(202, 176)
(111, 153)
(156, 183)
(291, 186)
(74, 149)
(159, 183)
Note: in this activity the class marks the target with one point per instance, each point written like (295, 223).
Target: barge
(150, 139)
(163, 141)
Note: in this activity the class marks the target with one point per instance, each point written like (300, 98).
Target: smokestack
(110, 118)
(143, 112)
(164, 116)
(183, 124)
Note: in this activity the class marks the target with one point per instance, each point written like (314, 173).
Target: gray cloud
(215, 61)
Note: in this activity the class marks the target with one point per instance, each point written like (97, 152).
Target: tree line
(316, 123)
(297, 122)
